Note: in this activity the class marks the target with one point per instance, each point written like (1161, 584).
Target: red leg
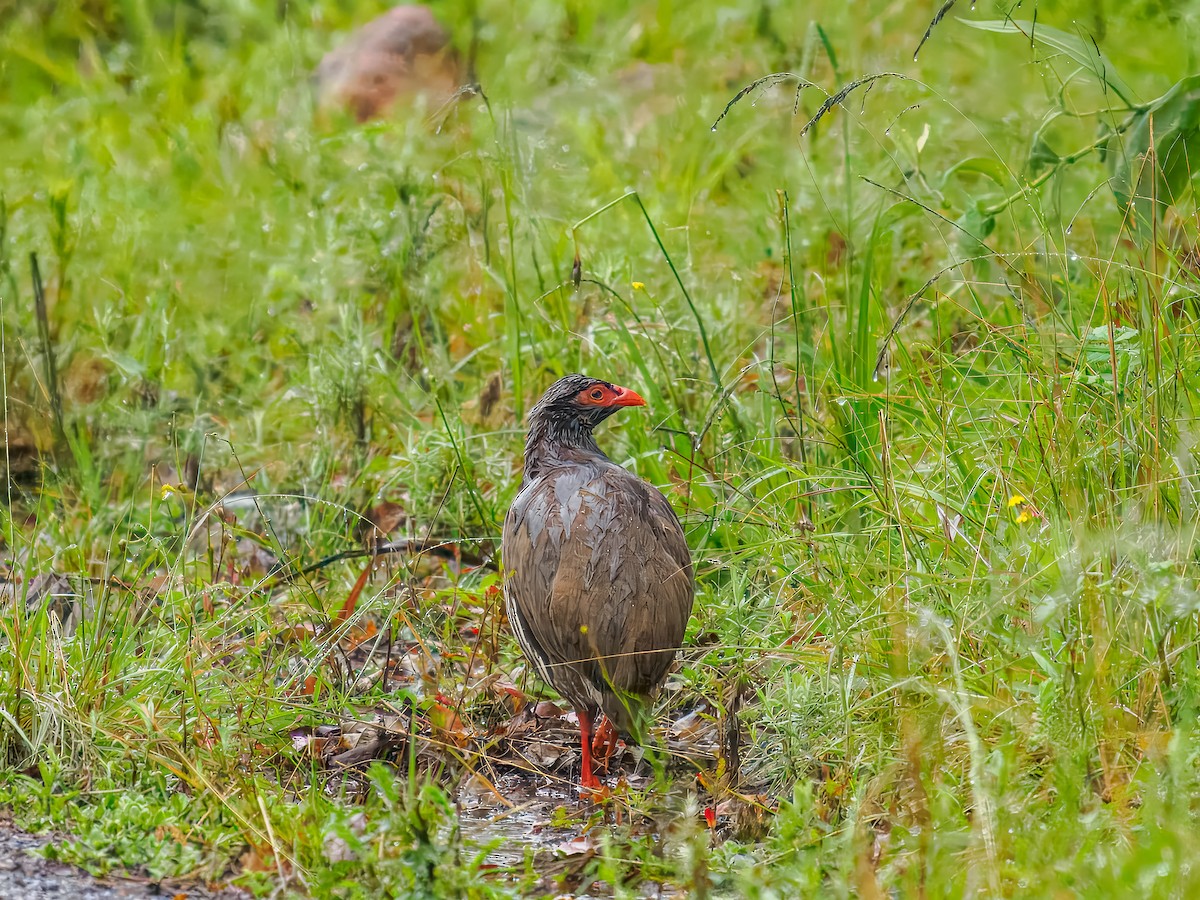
(604, 744)
(587, 780)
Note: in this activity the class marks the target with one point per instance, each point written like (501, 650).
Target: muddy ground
(25, 875)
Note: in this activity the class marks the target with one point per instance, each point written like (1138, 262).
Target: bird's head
(577, 401)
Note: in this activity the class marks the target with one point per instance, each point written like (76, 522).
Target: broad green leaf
(1081, 50)
(1041, 156)
(986, 166)
(976, 226)
(1153, 161)
(1097, 356)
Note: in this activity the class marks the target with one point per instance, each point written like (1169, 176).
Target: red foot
(604, 744)
(587, 780)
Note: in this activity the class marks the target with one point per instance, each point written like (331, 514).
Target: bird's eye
(597, 394)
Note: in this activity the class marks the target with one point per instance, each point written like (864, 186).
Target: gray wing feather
(599, 583)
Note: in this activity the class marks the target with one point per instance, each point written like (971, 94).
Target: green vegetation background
(921, 382)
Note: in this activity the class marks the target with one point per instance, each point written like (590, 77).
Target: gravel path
(24, 876)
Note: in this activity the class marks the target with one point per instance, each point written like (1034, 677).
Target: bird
(598, 578)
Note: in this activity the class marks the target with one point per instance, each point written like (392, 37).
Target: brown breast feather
(600, 581)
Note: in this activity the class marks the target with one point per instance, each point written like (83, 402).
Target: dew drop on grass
(713, 129)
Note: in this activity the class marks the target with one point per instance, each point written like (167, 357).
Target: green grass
(922, 385)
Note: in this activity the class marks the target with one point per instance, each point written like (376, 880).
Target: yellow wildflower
(177, 490)
(638, 286)
(1015, 500)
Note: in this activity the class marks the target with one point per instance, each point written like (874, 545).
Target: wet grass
(921, 385)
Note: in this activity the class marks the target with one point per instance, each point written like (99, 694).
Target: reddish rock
(401, 54)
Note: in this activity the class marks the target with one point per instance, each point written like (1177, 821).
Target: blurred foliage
(922, 383)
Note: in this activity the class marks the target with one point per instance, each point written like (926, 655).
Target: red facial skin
(609, 395)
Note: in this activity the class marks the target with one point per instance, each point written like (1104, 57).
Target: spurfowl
(598, 579)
